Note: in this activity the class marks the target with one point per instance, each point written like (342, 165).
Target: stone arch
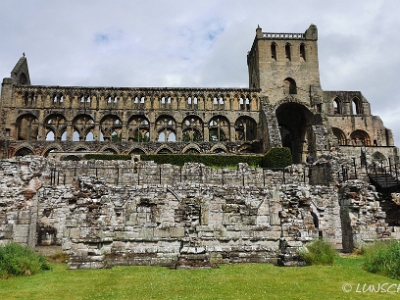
(27, 127)
(339, 134)
(166, 128)
(109, 148)
(245, 129)
(83, 124)
(139, 129)
(219, 129)
(295, 122)
(192, 129)
(137, 150)
(191, 148)
(80, 148)
(50, 148)
(23, 151)
(360, 138)
(379, 157)
(164, 149)
(57, 124)
(337, 106)
(111, 128)
(219, 148)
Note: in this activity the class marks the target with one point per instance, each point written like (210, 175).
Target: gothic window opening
(218, 129)
(356, 106)
(139, 129)
(273, 51)
(337, 106)
(110, 124)
(82, 125)
(50, 136)
(287, 52)
(302, 52)
(56, 124)
(290, 86)
(241, 104)
(192, 129)
(166, 128)
(247, 104)
(245, 129)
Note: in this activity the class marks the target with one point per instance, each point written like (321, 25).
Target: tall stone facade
(283, 106)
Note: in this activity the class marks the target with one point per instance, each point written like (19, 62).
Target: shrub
(383, 258)
(17, 260)
(318, 252)
(277, 157)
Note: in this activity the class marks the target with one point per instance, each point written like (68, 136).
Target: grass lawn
(244, 281)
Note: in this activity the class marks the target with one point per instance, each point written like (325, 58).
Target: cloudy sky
(183, 43)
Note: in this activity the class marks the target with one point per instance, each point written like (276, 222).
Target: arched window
(356, 107)
(273, 51)
(302, 52)
(337, 106)
(290, 86)
(287, 52)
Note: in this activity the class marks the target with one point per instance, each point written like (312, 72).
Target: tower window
(302, 52)
(273, 51)
(287, 52)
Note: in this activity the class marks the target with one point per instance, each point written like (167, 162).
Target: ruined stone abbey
(104, 214)
(283, 106)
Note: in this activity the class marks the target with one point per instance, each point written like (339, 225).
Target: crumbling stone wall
(181, 225)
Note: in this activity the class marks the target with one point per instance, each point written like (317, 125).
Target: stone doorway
(294, 122)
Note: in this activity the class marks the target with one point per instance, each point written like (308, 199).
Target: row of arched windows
(357, 138)
(287, 54)
(137, 129)
(355, 108)
(242, 102)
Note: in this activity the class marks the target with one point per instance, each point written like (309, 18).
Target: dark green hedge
(208, 160)
(107, 156)
(278, 157)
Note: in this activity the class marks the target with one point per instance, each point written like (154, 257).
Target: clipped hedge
(208, 160)
(278, 157)
(102, 156)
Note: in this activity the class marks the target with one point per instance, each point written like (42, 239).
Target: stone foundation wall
(181, 225)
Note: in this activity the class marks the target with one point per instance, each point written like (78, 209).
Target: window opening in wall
(241, 104)
(136, 100)
(7, 132)
(247, 104)
(142, 100)
(64, 136)
(287, 52)
(273, 51)
(337, 110)
(302, 52)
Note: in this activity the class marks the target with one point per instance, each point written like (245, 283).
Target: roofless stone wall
(183, 224)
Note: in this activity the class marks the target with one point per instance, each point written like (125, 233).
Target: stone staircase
(384, 182)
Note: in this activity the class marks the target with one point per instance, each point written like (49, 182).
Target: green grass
(244, 281)
(383, 258)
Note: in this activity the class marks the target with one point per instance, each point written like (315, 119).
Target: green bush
(206, 159)
(383, 258)
(318, 252)
(101, 156)
(277, 157)
(17, 260)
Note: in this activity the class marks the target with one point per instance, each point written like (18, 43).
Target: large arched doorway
(295, 121)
